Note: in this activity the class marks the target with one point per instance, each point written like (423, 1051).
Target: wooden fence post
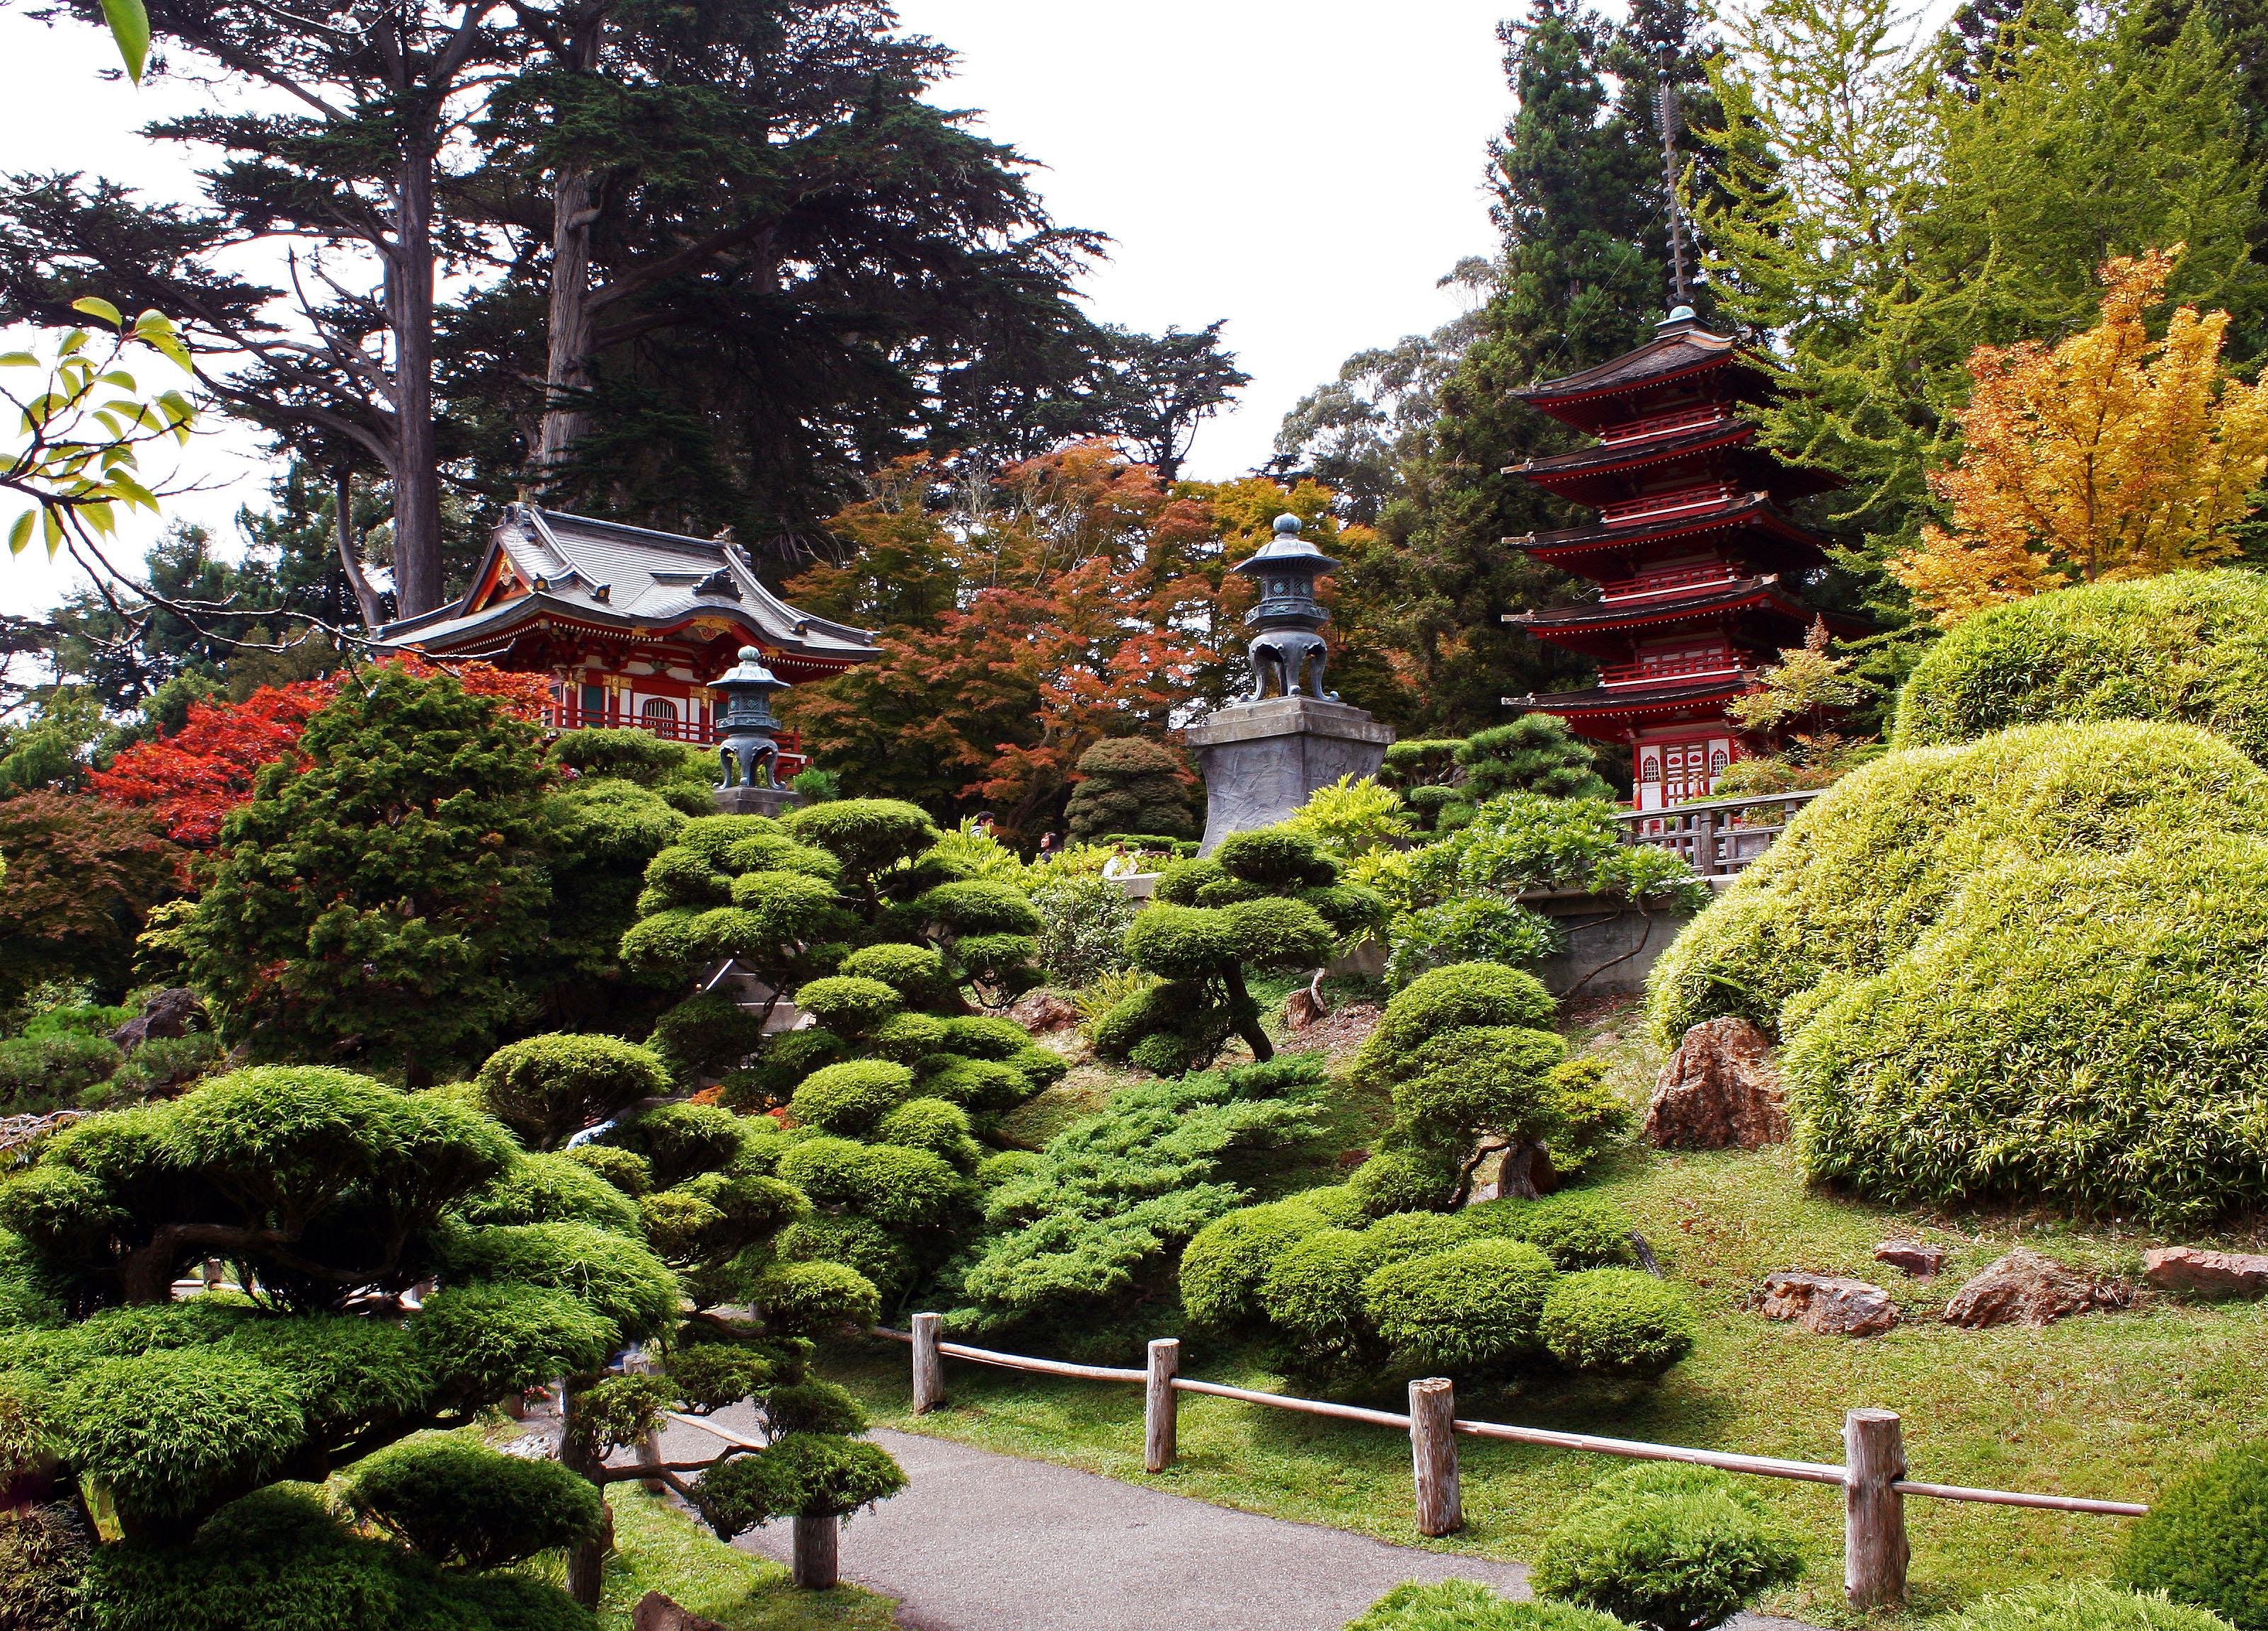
(929, 1365)
(1160, 1406)
(1874, 1553)
(817, 1541)
(1433, 1456)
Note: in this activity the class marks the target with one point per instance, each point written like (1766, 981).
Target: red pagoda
(1700, 571)
(631, 624)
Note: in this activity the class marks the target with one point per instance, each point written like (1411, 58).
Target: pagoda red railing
(1684, 501)
(1663, 423)
(701, 732)
(1663, 582)
(1696, 667)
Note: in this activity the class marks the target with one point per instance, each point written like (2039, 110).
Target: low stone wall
(1611, 945)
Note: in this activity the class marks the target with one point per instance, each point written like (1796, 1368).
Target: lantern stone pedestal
(757, 801)
(1261, 759)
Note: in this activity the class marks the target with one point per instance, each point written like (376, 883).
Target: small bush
(847, 1004)
(1619, 1320)
(1574, 1229)
(809, 1475)
(632, 1174)
(1084, 918)
(680, 1139)
(46, 1073)
(1460, 996)
(814, 1299)
(463, 1504)
(1404, 1235)
(1314, 1293)
(483, 1342)
(982, 1037)
(938, 1125)
(848, 1099)
(708, 1031)
(869, 1248)
(1666, 1546)
(554, 1189)
(2080, 1605)
(176, 1434)
(813, 1406)
(547, 1088)
(914, 972)
(1473, 1307)
(1468, 1605)
(2206, 1540)
(616, 1275)
(1222, 1270)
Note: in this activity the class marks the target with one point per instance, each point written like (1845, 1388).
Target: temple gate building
(1701, 573)
(630, 624)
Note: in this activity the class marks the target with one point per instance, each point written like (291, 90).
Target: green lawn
(2108, 1405)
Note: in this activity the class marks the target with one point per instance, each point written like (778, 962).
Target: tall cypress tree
(1581, 204)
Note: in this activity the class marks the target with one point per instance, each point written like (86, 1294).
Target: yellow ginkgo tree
(2110, 455)
(81, 416)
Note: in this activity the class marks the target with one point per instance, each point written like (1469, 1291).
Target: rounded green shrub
(679, 1140)
(1402, 1180)
(2186, 647)
(867, 1247)
(1460, 996)
(908, 1188)
(982, 1086)
(1864, 871)
(1666, 1546)
(808, 1475)
(1275, 857)
(616, 1275)
(1181, 883)
(915, 972)
(1314, 1293)
(1468, 1605)
(707, 1031)
(1477, 1305)
(546, 1188)
(176, 1434)
(982, 1036)
(681, 875)
(938, 1125)
(629, 1173)
(483, 1342)
(2078, 1606)
(978, 907)
(1402, 1236)
(814, 1406)
(866, 835)
(1223, 1267)
(812, 1299)
(1277, 934)
(1475, 1076)
(1180, 943)
(847, 1004)
(348, 1370)
(907, 1038)
(2083, 1030)
(463, 1504)
(848, 1099)
(1620, 1320)
(2206, 1540)
(1574, 1229)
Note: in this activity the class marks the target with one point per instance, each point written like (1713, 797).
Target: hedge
(2187, 646)
(2206, 1540)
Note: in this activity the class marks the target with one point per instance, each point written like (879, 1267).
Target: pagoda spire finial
(1665, 96)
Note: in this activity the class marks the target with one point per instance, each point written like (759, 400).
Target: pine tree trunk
(572, 334)
(586, 1564)
(366, 598)
(410, 313)
(1247, 1015)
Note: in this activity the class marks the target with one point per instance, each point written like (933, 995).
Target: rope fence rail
(1872, 1474)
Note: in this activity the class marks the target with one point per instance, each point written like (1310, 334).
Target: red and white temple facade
(631, 624)
(1700, 571)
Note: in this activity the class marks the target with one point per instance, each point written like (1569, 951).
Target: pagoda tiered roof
(1631, 609)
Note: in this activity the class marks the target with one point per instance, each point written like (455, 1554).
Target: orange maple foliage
(1023, 619)
(2111, 454)
(191, 780)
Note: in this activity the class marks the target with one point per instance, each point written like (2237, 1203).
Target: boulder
(2215, 1274)
(1828, 1305)
(1042, 1012)
(1719, 1090)
(2037, 1290)
(1917, 1258)
(657, 1612)
(171, 1013)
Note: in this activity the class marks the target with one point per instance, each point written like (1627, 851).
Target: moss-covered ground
(2108, 1405)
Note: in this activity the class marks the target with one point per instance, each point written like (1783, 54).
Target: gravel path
(986, 1542)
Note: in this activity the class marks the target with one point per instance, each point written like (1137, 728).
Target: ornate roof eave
(1754, 509)
(1601, 702)
(500, 625)
(1672, 606)
(1637, 454)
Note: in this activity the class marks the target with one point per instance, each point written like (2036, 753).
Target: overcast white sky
(1305, 171)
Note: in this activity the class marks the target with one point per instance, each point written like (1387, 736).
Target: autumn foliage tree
(191, 780)
(81, 878)
(2112, 455)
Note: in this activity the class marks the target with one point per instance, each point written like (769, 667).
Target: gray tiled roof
(628, 577)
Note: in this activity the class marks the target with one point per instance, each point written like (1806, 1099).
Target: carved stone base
(757, 801)
(1261, 759)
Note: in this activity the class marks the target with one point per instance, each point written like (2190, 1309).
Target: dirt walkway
(986, 1542)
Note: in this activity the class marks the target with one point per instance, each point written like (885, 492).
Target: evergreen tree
(1581, 201)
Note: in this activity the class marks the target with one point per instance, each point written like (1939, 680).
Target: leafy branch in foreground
(74, 452)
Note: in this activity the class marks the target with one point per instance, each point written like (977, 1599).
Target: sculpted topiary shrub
(463, 1504)
(2079, 1606)
(2206, 1542)
(1131, 784)
(1666, 1546)
(2187, 646)
(1617, 1320)
(1468, 1605)
(1471, 1308)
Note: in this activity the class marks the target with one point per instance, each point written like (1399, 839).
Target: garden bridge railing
(1872, 1474)
(1717, 838)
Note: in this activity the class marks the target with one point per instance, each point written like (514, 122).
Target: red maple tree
(191, 780)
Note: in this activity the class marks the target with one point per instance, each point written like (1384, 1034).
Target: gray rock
(1828, 1305)
(171, 1013)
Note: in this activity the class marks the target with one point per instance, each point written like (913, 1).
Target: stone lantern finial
(1288, 617)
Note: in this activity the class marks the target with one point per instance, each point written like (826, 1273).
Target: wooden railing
(1667, 503)
(1693, 668)
(1715, 837)
(1662, 582)
(1662, 424)
(1872, 1474)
